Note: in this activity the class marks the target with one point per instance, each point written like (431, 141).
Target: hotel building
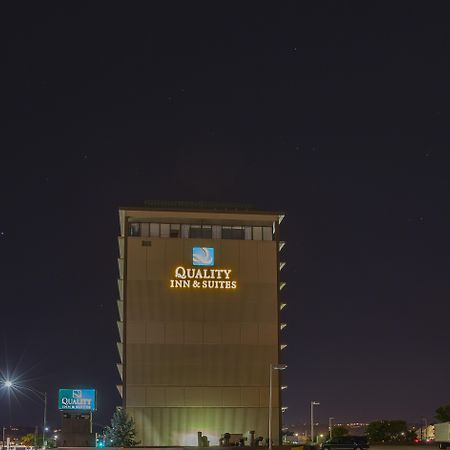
(200, 331)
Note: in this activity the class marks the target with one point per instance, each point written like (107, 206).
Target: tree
(397, 429)
(50, 442)
(28, 440)
(122, 432)
(389, 431)
(339, 431)
(443, 413)
(32, 440)
(376, 431)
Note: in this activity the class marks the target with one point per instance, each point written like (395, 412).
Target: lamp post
(330, 426)
(313, 403)
(44, 428)
(42, 395)
(272, 368)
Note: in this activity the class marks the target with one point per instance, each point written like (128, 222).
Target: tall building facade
(199, 307)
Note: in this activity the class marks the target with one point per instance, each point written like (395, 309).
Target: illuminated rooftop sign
(203, 256)
(78, 399)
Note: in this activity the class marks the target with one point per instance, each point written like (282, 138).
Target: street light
(330, 426)
(42, 395)
(313, 403)
(272, 368)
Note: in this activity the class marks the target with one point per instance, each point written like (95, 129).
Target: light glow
(202, 278)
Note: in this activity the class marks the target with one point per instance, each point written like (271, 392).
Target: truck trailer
(442, 434)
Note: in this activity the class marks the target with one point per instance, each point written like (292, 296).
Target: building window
(185, 231)
(257, 233)
(145, 229)
(154, 229)
(200, 231)
(165, 230)
(227, 233)
(135, 229)
(267, 233)
(206, 232)
(237, 233)
(195, 232)
(216, 231)
(174, 230)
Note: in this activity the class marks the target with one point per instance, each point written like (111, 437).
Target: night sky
(336, 113)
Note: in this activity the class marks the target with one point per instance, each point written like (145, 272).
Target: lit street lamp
(313, 403)
(42, 395)
(330, 426)
(272, 368)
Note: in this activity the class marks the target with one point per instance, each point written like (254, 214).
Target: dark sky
(336, 113)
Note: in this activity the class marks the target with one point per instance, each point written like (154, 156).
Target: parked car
(346, 442)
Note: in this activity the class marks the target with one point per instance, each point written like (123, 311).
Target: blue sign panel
(80, 399)
(202, 256)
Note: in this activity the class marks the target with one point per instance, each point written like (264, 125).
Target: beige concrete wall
(198, 359)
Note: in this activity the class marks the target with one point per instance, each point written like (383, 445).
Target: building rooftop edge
(227, 208)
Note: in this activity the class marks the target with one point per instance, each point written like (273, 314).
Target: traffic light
(100, 441)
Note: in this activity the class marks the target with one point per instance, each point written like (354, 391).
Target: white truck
(442, 434)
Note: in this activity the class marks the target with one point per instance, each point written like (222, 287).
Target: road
(404, 447)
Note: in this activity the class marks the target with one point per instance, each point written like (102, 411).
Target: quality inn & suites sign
(197, 278)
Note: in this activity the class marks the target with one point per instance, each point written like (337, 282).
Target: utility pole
(330, 427)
